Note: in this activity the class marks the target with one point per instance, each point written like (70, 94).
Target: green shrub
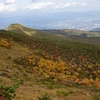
(45, 97)
(7, 92)
(62, 93)
(96, 96)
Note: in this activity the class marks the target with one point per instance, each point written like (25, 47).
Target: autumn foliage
(70, 73)
(68, 62)
(5, 43)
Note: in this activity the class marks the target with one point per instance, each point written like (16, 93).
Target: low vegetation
(7, 92)
(56, 66)
(44, 97)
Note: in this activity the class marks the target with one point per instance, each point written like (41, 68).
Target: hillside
(18, 28)
(71, 35)
(63, 69)
(76, 33)
(81, 33)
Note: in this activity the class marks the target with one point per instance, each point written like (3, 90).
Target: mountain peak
(16, 27)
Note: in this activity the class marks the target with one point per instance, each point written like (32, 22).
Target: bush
(62, 93)
(7, 92)
(96, 96)
(44, 97)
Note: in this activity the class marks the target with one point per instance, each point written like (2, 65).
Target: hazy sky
(7, 6)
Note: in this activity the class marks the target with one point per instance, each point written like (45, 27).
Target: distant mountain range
(58, 20)
(18, 28)
(96, 30)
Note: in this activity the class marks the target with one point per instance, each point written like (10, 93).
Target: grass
(96, 96)
(50, 84)
(45, 97)
(62, 93)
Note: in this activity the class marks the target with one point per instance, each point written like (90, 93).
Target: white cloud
(52, 6)
(98, 4)
(1, 6)
(10, 1)
(10, 5)
(36, 6)
(68, 5)
(7, 8)
(84, 4)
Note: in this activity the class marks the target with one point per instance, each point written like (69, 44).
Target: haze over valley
(58, 20)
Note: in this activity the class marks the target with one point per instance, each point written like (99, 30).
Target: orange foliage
(5, 43)
(46, 66)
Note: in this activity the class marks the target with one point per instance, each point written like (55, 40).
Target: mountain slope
(49, 66)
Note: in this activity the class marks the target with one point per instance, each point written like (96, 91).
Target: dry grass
(26, 92)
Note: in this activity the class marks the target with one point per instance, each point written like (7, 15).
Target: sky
(40, 13)
(8, 6)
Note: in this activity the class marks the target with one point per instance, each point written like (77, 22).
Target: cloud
(10, 5)
(10, 2)
(69, 5)
(37, 6)
(84, 4)
(49, 5)
(1, 7)
(7, 8)
(98, 4)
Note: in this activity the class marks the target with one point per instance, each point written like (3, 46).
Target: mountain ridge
(96, 29)
(64, 32)
(18, 28)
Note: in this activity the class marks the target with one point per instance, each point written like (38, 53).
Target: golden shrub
(5, 43)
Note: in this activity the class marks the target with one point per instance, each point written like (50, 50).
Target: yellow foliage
(5, 43)
(45, 66)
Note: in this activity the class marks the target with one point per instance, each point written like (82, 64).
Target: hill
(21, 29)
(18, 28)
(63, 69)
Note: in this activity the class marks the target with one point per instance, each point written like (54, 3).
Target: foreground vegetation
(54, 63)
